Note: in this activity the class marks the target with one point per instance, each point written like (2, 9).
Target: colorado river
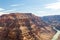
(55, 37)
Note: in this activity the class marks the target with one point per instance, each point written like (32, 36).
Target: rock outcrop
(24, 26)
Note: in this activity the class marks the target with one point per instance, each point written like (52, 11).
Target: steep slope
(58, 38)
(52, 20)
(24, 26)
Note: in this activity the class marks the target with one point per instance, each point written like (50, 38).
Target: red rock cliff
(24, 26)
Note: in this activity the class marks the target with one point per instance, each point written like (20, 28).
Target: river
(55, 37)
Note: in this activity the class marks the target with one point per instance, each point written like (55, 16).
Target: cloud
(54, 6)
(14, 5)
(9, 10)
(57, 0)
(46, 13)
(40, 13)
(1, 13)
(1, 9)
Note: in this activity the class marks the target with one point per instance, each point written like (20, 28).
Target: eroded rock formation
(24, 26)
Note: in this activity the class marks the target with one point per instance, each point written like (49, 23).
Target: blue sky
(37, 7)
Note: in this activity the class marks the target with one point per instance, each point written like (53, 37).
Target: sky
(37, 7)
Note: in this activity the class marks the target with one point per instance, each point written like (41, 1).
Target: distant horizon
(2, 13)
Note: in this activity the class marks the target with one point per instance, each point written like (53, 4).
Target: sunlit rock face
(24, 26)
